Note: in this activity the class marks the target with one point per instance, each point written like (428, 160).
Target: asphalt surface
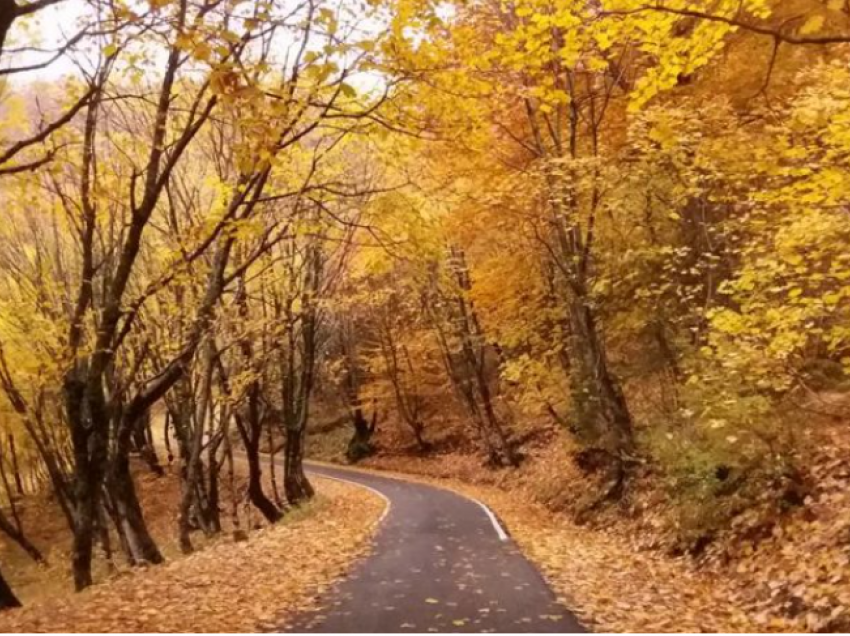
(439, 563)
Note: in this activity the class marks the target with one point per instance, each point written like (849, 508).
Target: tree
(7, 596)
(125, 178)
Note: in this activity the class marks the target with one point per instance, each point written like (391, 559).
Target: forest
(588, 255)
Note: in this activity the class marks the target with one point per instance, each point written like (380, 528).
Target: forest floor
(619, 572)
(248, 585)
(45, 526)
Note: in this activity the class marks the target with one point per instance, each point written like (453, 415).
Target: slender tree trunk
(167, 435)
(7, 488)
(203, 514)
(601, 413)
(213, 513)
(272, 473)
(105, 540)
(16, 470)
(143, 442)
(109, 509)
(238, 533)
(15, 534)
(193, 483)
(184, 522)
(406, 399)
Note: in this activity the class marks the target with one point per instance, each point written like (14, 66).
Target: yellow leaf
(812, 25)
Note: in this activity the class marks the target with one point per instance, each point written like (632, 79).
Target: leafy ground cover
(243, 586)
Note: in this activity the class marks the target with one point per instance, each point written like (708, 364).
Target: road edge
(501, 529)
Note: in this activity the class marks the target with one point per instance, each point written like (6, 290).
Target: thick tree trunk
(7, 596)
(128, 510)
(8, 13)
(83, 536)
(360, 445)
(255, 488)
(89, 430)
(296, 486)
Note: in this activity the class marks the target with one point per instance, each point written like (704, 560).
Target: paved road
(438, 564)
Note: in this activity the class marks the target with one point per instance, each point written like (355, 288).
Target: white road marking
(500, 531)
(357, 483)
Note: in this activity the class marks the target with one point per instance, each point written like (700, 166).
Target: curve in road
(440, 563)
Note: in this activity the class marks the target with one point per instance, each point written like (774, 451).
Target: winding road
(440, 563)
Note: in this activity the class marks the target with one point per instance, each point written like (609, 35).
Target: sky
(49, 28)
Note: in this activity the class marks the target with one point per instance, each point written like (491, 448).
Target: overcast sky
(47, 29)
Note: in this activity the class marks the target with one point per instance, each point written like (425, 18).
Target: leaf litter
(254, 585)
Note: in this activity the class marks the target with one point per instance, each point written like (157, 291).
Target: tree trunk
(143, 443)
(418, 432)
(501, 453)
(83, 535)
(167, 435)
(13, 507)
(255, 488)
(272, 452)
(601, 413)
(360, 445)
(143, 548)
(15, 534)
(213, 512)
(108, 508)
(249, 426)
(16, 471)
(105, 540)
(7, 596)
(8, 13)
(238, 533)
(295, 483)
(89, 432)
